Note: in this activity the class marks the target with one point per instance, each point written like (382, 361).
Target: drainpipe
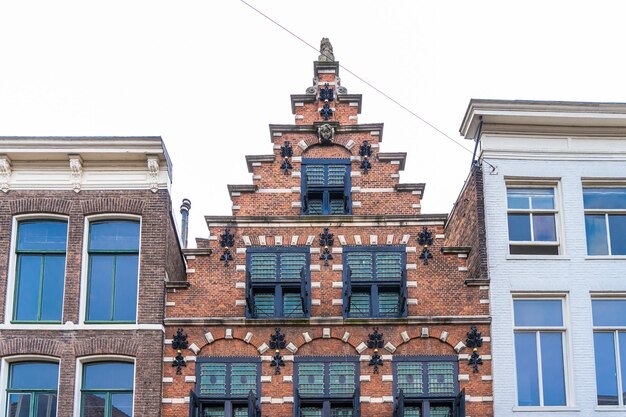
(184, 223)
(480, 128)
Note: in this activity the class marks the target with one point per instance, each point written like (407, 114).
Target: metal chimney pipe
(184, 223)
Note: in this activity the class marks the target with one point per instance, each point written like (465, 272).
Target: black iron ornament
(474, 340)
(326, 242)
(277, 342)
(179, 342)
(426, 255)
(365, 152)
(376, 361)
(326, 111)
(475, 360)
(326, 93)
(425, 239)
(376, 342)
(286, 152)
(227, 241)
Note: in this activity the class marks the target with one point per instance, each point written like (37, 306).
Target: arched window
(32, 389)
(107, 389)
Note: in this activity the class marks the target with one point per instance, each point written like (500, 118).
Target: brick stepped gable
(372, 193)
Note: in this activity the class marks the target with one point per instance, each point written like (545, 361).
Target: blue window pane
(42, 235)
(595, 227)
(538, 313)
(310, 412)
(606, 371)
(46, 405)
(388, 303)
(114, 235)
(108, 375)
(263, 266)
(609, 312)
(311, 379)
(291, 265)
(315, 175)
(604, 198)
(125, 302)
(341, 379)
(292, 305)
(337, 204)
(122, 405)
(264, 305)
(360, 304)
(213, 379)
(389, 266)
(336, 175)
(552, 368)
(530, 198)
(19, 405)
(34, 375)
(341, 412)
(409, 376)
(93, 405)
(361, 265)
(440, 411)
(544, 226)
(617, 226)
(527, 372)
(52, 288)
(622, 355)
(412, 411)
(243, 379)
(100, 287)
(29, 276)
(519, 227)
(517, 198)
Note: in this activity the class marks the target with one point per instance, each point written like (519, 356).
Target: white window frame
(590, 184)
(80, 362)
(11, 275)
(567, 351)
(529, 183)
(4, 374)
(85, 268)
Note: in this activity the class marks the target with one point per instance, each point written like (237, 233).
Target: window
(32, 389)
(374, 281)
(539, 352)
(532, 221)
(107, 389)
(226, 389)
(427, 387)
(39, 278)
(326, 387)
(326, 186)
(277, 282)
(113, 268)
(605, 220)
(609, 338)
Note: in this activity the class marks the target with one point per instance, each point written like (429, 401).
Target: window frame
(326, 189)
(529, 184)
(606, 213)
(565, 343)
(374, 284)
(5, 366)
(86, 266)
(279, 287)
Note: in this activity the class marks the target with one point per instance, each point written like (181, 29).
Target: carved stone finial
(76, 172)
(326, 51)
(5, 173)
(153, 173)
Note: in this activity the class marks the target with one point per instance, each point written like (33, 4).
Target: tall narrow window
(609, 337)
(32, 389)
(539, 352)
(113, 269)
(40, 271)
(605, 220)
(374, 281)
(107, 389)
(326, 186)
(532, 221)
(277, 282)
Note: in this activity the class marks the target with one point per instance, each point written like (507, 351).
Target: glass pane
(114, 235)
(361, 264)
(337, 204)
(311, 379)
(240, 412)
(264, 305)
(544, 226)
(341, 412)
(53, 278)
(100, 295)
(46, 405)
(29, 276)
(604, 198)
(93, 405)
(609, 312)
(263, 266)
(526, 366)
(19, 405)
(125, 297)
(291, 265)
(519, 227)
(315, 203)
(243, 379)
(336, 175)
(311, 411)
(388, 304)
(441, 378)
(34, 375)
(617, 227)
(315, 175)
(622, 355)
(440, 411)
(360, 304)
(109, 375)
(530, 198)
(517, 198)
(44, 235)
(292, 305)
(213, 411)
(213, 379)
(538, 312)
(122, 405)
(412, 411)
(595, 228)
(389, 266)
(341, 379)
(409, 376)
(552, 368)
(606, 370)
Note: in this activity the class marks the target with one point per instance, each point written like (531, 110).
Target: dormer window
(326, 186)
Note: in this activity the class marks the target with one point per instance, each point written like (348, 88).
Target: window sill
(539, 257)
(611, 408)
(565, 409)
(606, 258)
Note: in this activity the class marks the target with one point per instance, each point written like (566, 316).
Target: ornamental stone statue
(326, 50)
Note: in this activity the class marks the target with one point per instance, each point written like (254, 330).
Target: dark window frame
(325, 190)
(33, 393)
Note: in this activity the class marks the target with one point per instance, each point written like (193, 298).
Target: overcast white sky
(209, 76)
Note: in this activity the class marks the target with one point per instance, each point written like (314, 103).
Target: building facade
(327, 292)
(87, 242)
(551, 177)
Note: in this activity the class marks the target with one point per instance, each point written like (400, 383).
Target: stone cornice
(393, 156)
(252, 159)
(319, 321)
(365, 127)
(418, 187)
